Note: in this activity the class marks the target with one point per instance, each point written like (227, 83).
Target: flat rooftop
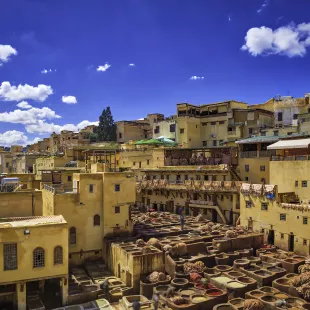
(31, 221)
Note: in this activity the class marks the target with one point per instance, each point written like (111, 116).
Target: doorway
(271, 237)
(291, 241)
(214, 216)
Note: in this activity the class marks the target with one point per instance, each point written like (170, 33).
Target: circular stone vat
(269, 290)
(295, 302)
(187, 292)
(263, 273)
(237, 302)
(241, 262)
(235, 285)
(269, 298)
(213, 292)
(305, 306)
(283, 281)
(290, 275)
(281, 295)
(291, 261)
(246, 280)
(179, 282)
(275, 269)
(235, 274)
(224, 307)
(223, 268)
(196, 299)
(257, 294)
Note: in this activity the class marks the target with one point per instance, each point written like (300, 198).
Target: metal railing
(8, 188)
(290, 158)
(253, 154)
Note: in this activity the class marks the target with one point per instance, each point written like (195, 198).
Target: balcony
(259, 154)
(190, 185)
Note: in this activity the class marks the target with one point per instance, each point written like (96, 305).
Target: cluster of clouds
(195, 78)
(291, 40)
(106, 66)
(6, 51)
(36, 120)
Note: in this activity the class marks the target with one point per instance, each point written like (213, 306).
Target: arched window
(96, 220)
(58, 255)
(38, 257)
(72, 239)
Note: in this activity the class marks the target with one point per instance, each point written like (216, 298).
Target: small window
(198, 177)
(172, 128)
(262, 230)
(263, 134)
(140, 164)
(296, 183)
(282, 236)
(213, 123)
(304, 242)
(147, 161)
(181, 130)
(248, 204)
(262, 168)
(96, 220)
(276, 133)
(214, 142)
(134, 163)
(154, 177)
(222, 122)
(120, 135)
(72, 236)
(69, 178)
(38, 258)
(91, 188)
(250, 131)
(10, 256)
(247, 168)
(204, 143)
(162, 176)
(280, 116)
(186, 177)
(58, 255)
(167, 177)
(305, 220)
(295, 116)
(282, 217)
(264, 206)
(304, 183)
(117, 187)
(205, 177)
(247, 179)
(7, 165)
(117, 210)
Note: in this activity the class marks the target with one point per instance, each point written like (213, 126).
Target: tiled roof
(259, 139)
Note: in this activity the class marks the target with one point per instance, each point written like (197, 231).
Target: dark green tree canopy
(106, 129)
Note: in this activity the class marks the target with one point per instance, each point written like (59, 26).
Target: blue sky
(80, 52)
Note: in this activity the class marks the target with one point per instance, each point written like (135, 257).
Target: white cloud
(30, 116)
(41, 127)
(104, 68)
(9, 92)
(229, 18)
(131, 65)
(12, 137)
(263, 6)
(45, 71)
(24, 105)
(5, 52)
(195, 77)
(69, 99)
(290, 40)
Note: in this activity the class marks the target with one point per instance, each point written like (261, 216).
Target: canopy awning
(290, 144)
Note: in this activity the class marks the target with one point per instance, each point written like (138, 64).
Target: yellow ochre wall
(270, 219)
(285, 173)
(21, 203)
(47, 237)
(254, 174)
(122, 199)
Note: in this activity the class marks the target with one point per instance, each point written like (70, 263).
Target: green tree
(106, 129)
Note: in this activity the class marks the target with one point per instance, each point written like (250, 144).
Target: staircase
(234, 174)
